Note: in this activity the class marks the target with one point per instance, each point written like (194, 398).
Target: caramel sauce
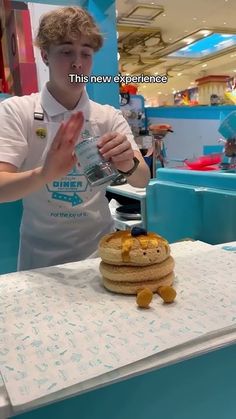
(127, 241)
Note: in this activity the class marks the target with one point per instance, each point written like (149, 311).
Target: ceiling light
(188, 40)
(159, 93)
(164, 15)
(205, 32)
(152, 41)
(179, 74)
(134, 21)
(204, 65)
(234, 71)
(156, 73)
(224, 23)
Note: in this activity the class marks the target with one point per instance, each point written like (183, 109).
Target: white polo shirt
(63, 221)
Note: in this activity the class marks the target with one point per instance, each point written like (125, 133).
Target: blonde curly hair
(67, 23)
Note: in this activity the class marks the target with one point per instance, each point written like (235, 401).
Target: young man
(63, 217)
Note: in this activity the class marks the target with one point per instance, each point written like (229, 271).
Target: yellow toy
(139, 263)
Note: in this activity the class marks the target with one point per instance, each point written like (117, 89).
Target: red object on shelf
(204, 162)
(129, 88)
(206, 168)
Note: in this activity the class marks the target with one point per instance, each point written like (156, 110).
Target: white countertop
(185, 328)
(128, 190)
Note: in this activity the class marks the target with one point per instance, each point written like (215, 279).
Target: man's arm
(117, 148)
(118, 145)
(141, 175)
(60, 159)
(14, 185)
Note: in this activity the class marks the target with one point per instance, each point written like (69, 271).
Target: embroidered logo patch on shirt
(41, 132)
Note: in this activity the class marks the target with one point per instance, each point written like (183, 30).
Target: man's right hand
(60, 157)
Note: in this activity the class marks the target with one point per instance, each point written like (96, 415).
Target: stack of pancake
(133, 260)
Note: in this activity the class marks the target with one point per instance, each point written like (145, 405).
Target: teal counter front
(203, 387)
(192, 204)
(10, 219)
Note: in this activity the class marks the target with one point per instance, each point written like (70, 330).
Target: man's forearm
(140, 177)
(14, 186)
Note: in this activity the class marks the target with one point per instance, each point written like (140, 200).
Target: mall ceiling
(150, 30)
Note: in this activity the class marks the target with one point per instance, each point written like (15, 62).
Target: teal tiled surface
(10, 218)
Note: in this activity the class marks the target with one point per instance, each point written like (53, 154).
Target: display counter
(193, 204)
(71, 349)
(194, 128)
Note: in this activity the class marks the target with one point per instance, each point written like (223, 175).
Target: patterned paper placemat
(59, 327)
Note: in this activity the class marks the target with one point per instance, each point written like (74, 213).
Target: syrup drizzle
(127, 241)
